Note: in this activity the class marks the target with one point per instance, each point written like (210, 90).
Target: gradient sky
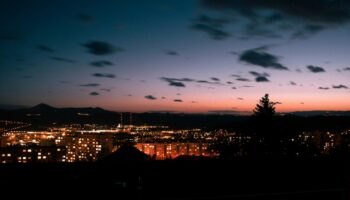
(175, 55)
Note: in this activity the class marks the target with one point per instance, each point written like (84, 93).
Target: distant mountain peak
(42, 107)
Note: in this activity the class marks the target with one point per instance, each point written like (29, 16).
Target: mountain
(40, 108)
(46, 114)
(319, 113)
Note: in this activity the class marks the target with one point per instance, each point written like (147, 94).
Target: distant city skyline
(183, 56)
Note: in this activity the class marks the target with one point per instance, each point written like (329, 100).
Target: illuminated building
(163, 151)
(32, 154)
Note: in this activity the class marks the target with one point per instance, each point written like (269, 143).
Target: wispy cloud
(101, 63)
(45, 48)
(323, 88)
(214, 79)
(61, 59)
(179, 82)
(212, 26)
(242, 79)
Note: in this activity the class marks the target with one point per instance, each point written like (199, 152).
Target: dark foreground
(180, 179)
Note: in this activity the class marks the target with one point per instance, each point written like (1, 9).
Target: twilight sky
(175, 55)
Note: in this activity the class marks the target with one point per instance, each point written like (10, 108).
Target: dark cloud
(177, 84)
(178, 100)
(90, 85)
(257, 74)
(66, 60)
(229, 82)
(234, 88)
(45, 48)
(260, 58)
(94, 93)
(193, 101)
(129, 95)
(315, 69)
(240, 98)
(323, 88)
(346, 69)
(171, 53)
(101, 63)
(243, 79)
(247, 86)
(202, 81)
(215, 79)
(340, 86)
(297, 18)
(163, 97)
(150, 97)
(101, 48)
(86, 18)
(262, 79)
(292, 83)
(212, 26)
(100, 75)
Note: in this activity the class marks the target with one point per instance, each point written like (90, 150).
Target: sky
(216, 56)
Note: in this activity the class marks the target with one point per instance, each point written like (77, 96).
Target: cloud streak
(101, 63)
(212, 27)
(45, 48)
(61, 59)
(105, 75)
(90, 85)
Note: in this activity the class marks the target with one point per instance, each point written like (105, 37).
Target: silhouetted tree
(265, 108)
(265, 126)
